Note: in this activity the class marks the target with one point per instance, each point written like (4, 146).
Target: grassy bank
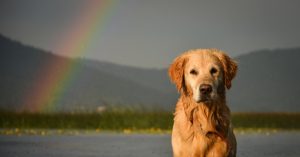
(284, 121)
(109, 120)
(135, 121)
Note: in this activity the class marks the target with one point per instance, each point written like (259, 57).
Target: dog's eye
(213, 70)
(193, 72)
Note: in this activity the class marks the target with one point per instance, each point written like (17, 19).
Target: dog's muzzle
(205, 92)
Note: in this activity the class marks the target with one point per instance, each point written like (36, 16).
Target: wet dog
(202, 124)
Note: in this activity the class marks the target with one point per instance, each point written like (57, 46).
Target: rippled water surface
(279, 144)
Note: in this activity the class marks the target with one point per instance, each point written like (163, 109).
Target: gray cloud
(151, 33)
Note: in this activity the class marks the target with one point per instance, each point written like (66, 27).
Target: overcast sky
(150, 33)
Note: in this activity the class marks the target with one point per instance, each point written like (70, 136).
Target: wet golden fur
(202, 128)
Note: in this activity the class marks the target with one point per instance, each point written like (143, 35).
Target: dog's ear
(229, 66)
(176, 72)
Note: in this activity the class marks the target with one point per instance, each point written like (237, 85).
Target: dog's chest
(207, 137)
(208, 145)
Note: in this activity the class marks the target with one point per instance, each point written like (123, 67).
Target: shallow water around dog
(278, 144)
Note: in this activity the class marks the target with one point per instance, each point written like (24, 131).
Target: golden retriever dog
(202, 126)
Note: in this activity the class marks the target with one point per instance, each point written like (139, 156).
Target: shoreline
(152, 131)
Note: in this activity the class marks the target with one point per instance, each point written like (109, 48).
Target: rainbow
(57, 75)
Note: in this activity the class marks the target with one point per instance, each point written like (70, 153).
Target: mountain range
(267, 80)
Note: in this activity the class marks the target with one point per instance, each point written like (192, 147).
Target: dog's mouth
(204, 99)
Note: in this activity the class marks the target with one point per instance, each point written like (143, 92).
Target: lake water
(279, 144)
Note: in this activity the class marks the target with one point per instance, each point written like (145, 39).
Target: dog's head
(203, 74)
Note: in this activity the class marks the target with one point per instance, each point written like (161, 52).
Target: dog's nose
(205, 89)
